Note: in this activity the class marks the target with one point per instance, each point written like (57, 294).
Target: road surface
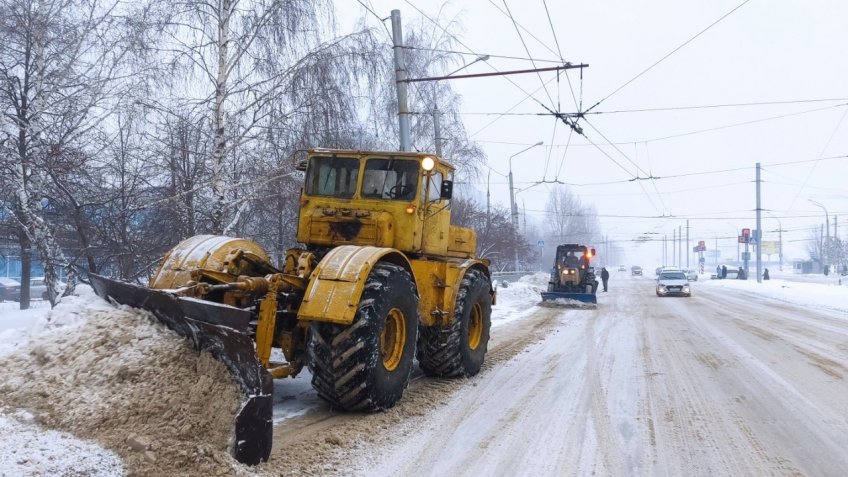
(723, 383)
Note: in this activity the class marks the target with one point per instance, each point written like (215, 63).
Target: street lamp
(824, 253)
(512, 208)
(779, 238)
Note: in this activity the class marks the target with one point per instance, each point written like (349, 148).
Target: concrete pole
(758, 244)
(400, 82)
(687, 243)
(680, 246)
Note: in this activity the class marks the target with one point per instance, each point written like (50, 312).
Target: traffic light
(746, 236)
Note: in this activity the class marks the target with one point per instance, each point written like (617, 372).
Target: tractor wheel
(366, 365)
(459, 349)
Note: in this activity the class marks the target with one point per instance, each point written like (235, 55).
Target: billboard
(770, 247)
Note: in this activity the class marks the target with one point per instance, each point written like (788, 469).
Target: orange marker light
(410, 209)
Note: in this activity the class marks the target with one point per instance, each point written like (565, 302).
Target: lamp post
(826, 243)
(512, 208)
(779, 239)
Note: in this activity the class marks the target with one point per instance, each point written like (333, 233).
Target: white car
(691, 274)
(673, 282)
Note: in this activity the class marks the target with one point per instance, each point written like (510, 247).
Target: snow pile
(519, 298)
(807, 294)
(116, 376)
(27, 449)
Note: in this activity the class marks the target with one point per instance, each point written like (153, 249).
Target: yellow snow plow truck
(383, 277)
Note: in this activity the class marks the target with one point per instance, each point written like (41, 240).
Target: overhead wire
(668, 54)
(821, 154)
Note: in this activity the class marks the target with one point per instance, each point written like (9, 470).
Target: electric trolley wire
(490, 55)
(668, 55)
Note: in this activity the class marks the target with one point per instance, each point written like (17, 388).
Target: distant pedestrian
(765, 274)
(604, 277)
(826, 270)
(718, 271)
(741, 274)
(724, 271)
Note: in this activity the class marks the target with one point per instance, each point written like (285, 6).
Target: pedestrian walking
(604, 277)
(724, 271)
(765, 274)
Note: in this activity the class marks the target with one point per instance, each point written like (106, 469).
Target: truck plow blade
(568, 298)
(222, 331)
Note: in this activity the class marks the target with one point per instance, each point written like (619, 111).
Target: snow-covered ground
(293, 397)
(741, 379)
(823, 293)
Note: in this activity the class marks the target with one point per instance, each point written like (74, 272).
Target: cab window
(332, 176)
(393, 179)
(434, 187)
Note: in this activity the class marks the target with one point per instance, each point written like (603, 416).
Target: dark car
(10, 289)
(38, 287)
(636, 270)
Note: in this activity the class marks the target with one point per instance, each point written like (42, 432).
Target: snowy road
(718, 384)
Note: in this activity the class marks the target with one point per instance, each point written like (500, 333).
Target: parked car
(10, 289)
(622, 268)
(673, 282)
(38, 287)
(691, 274)
(636, 270)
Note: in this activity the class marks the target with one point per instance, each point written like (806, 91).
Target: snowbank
(28, 449)
(519, 298)
(117, 377)
(807, 294)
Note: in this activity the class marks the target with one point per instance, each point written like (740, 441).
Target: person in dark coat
(765, 274)
(724, 271)
(741, 274)
(604, 277)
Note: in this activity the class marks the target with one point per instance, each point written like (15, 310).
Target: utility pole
(680, 246)
(673, 247)
(400, 82)
(758, 244)
(715, 256)
(665, 250)
(437, 129)
(488, 202)
(687, 243)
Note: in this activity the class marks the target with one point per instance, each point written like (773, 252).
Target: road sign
(540, 243)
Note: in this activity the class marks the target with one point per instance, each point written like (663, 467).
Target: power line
(523, 43)
(668, 54)
(816, 163)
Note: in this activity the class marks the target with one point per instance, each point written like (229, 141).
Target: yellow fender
(337, 283)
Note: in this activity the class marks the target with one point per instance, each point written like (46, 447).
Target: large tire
(460, 348)
(366, 365)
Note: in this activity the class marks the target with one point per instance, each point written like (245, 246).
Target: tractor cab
(385, 199)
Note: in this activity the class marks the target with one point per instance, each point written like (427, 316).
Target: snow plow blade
(581, 297)
(222, 331)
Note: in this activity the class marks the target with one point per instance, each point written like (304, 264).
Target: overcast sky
(765, 51)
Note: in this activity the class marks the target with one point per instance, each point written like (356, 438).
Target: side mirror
(447, 190)
(593, 252)
(299, 160)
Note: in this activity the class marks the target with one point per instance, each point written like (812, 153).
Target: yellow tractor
(383, 277)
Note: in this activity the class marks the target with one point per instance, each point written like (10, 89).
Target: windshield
(673, 276)
(332, 176)
(395, 179)
(571, 258)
